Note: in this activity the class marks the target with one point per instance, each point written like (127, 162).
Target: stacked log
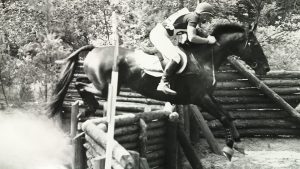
(255, 114)
(128, 137)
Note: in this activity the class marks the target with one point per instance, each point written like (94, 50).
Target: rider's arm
(193, 37)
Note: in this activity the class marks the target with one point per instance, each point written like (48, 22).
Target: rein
(213, 67)
(212, 60)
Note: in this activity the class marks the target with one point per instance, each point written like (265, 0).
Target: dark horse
(193, 86)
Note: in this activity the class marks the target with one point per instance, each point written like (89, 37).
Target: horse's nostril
(267, 69)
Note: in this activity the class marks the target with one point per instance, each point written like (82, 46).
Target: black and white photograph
(150, 84)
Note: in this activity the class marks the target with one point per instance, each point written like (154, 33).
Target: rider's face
(205, 17)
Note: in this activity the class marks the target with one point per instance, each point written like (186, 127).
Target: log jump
(150, 134)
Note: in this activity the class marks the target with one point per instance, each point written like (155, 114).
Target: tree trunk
(1, 81)
(3, 4)
(180, 4)
(106, 25)
(46, 85)
(3, 91)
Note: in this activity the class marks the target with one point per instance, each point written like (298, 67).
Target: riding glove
(211, 39)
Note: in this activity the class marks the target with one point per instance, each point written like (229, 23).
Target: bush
(282, 47)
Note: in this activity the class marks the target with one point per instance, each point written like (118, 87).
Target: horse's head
(243, 43)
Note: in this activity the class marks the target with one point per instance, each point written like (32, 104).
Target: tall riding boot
(164, 84)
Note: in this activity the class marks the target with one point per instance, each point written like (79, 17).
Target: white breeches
(160, 39)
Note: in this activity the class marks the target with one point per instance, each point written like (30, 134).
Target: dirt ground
(261, 153)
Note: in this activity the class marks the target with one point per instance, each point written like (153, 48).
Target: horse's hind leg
(87, 93)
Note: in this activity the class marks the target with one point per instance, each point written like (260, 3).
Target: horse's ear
(249, 28)
(252, 27)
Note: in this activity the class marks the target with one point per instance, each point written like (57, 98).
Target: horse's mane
(218, 30)
(227, 28)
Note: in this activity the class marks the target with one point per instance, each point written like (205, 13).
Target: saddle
(153, 63)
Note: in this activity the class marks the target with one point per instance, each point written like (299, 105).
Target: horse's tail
(66, 76)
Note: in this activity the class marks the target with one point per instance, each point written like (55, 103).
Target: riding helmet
(204, 7)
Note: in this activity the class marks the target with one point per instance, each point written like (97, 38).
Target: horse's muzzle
(267, 69)
(262, 70)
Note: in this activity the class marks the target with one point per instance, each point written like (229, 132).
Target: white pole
(111, 107)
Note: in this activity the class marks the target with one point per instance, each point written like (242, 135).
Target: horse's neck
(227, 47)
(211, 57)
(219, 56)
(215, 55)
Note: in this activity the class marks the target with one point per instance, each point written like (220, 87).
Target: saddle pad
(152, 66)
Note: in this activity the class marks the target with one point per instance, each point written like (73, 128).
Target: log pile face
(144, 133)
(254, 113)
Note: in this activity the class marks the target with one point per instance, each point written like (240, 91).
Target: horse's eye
(254, 65)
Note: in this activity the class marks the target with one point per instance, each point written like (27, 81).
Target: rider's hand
(211, 39)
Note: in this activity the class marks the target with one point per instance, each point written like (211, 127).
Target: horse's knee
(79, 85)
(225, 121)
(89, 111)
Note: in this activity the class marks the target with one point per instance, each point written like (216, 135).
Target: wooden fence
(142, 141)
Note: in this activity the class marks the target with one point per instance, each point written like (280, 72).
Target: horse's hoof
(240, 148)
(228, 152)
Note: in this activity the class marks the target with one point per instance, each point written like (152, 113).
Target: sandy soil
(261, 153)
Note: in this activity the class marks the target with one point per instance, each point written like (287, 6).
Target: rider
(181, 21)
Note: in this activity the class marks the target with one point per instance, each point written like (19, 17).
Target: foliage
(282, 47)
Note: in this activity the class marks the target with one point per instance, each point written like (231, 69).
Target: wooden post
(171, 143)
(79, 158)
(144, 163)
(187, 124)
(136, 157)
(264, 88)
(74, 120)
(205, 129)
(194, 128)
(99, 162)
(77, 144)
(188, 149)
(180, 153)
(143, 138)
(112, 96)
(78, 149)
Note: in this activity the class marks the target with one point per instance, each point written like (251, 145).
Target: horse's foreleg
(209, 103)
(87, 94)
(226, 119)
